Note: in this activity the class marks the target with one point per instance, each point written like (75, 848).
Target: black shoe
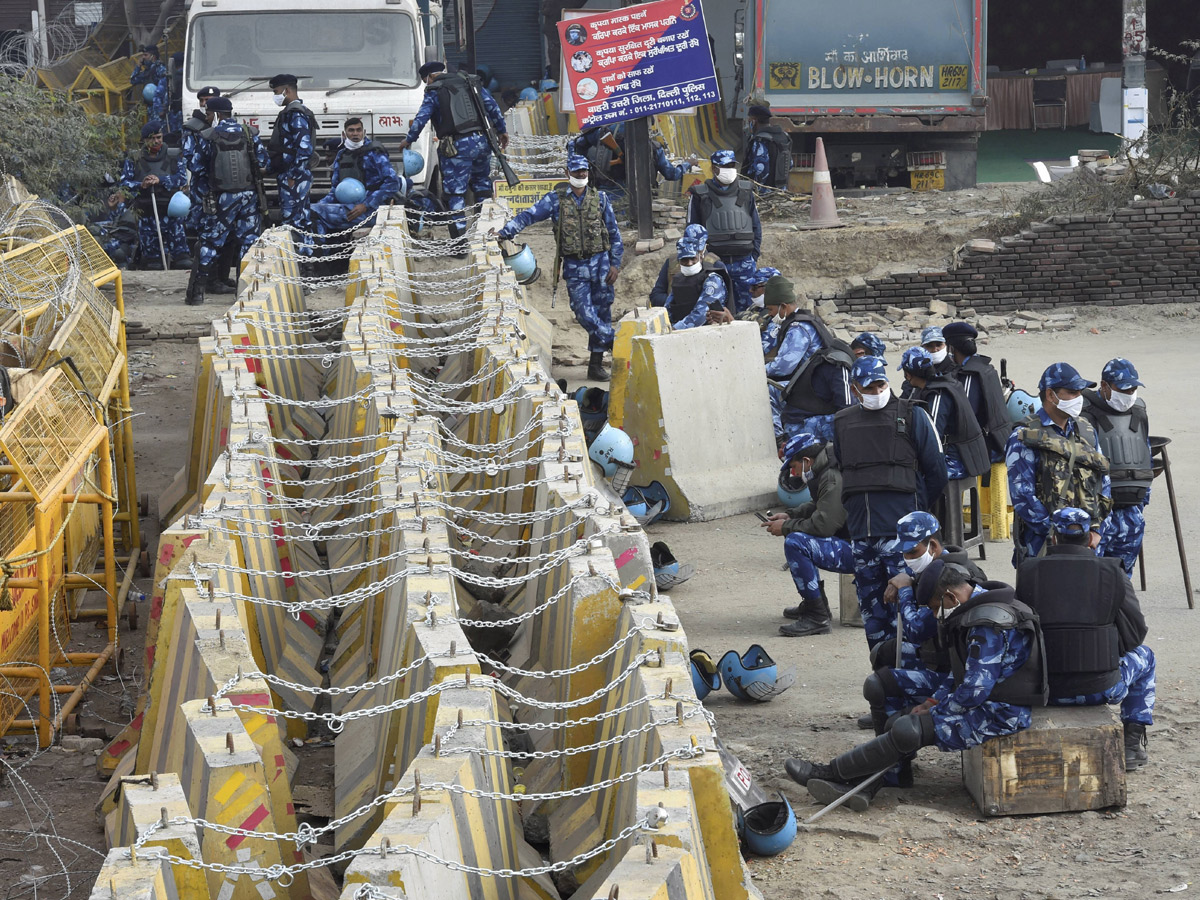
(1135, 746)
(194, 295)
(904, 777)
(596, 370)
(181, 262)
(806, 627)
(867, 722)
(826, 791)
(801, 770)
(794, 612)
(216, 286)
(228, 282)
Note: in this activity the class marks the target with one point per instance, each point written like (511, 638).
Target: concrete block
(941, 308)
(698, 412)
(135, 879)
(848, 612)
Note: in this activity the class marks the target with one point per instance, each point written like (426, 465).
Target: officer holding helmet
(366, 162)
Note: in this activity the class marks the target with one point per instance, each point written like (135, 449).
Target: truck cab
(353, 58)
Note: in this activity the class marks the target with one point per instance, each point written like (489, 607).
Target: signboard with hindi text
(528, 192)
(638, 61)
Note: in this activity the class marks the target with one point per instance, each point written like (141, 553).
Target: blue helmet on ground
(149, 92)
(523, 264)
(653, 498)
(668, 571)
(180, 205)
(611, 446)
(705, 677)
(754, 675)
(593, 410)
(527, 94)
(791, 491)
(548, 84)
(350, 191)
(414, 162)
(768, 828)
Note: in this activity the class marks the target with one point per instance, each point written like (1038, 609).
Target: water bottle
(1082, 63)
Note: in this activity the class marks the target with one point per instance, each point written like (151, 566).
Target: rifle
(489, 132)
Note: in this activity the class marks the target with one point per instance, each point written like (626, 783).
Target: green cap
(779, 291)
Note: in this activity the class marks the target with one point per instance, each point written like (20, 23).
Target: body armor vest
(350, 163)
(800, 393)
(686, 290)
(275, 144)
(164, 167)
(965, 435)
(779, 154)
(998, 608)
(728, 218)
(1077, 596)
(1072, 471)
(457, 114)
(876, 448)
(195, 125)
(1125, 442)
(994, 417)
(231, 169)
(580, 230)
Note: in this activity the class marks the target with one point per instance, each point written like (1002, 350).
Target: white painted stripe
(821, 178)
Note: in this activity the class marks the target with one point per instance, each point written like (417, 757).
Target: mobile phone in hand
(762, 518)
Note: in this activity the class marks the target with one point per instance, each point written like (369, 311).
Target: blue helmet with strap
(611, 446)
(705, 677)
(754, 675)
(768, 828)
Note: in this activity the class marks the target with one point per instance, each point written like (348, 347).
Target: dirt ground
(926, 842)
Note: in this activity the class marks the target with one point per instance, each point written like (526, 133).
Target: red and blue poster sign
(638, 61)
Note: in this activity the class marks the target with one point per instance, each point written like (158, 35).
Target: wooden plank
(1070, 759)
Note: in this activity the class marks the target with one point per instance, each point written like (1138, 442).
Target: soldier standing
(292, 154)
(150, 70)
(725, 206)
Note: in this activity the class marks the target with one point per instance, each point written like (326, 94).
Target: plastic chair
(1050, 94)
(954, 522)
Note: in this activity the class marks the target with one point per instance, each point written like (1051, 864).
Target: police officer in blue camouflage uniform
(152, 176)
(933, 341)
(892, 464)
(814, 534)
(769, 151)
(698, 234)
(758, 312)
(1094, 628)
(452, 102)
(1054, 460)
(697, 289)
(150, 70)
(605, 149)
(981, 383)
(868, 344)
(724, 204)
(190, 131)
(997, 675)
(955, 423)
(292, 149)
(232, 158)
(589, 243)
(1123, 430)
(360, 158)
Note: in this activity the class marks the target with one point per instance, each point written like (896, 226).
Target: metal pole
(469, 28)
(45, 561)
(637, 176)
(162, 248)
(1183, 564)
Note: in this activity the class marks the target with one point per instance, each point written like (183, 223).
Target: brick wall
(1145, 253)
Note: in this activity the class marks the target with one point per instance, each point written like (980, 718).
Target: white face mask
(805, 474)
(691, 270)
(353, 145)
(777, 318)
(938, 357)
(876, 401)
(1070, 408)
(578, 182)
(279, 99)
(727, 176)
(1122, 402)
(921, 563)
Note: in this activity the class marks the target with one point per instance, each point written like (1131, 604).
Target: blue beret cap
(1063, 375)
(685, 248)
(932, 334)
(798, 443)
(1070, 519)
(154, 126)
(1120, 373)
(576, 163)
(868, 370)
(915, 528)
(959, 329)
(762, 276)
(916, 360)
(724, 159)
(871, 343)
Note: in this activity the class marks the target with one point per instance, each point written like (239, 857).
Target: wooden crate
(1070, 759)
(849, 614)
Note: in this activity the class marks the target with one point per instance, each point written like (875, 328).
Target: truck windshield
(328, 49)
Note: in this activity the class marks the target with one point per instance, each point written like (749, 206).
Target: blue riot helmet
(754, 675)
(668, 571)
(792, 491)
(768, 828)
(350, 191)
(653, 498)
(149, 92)
(705, 677)
(523, 264)
(414, 162)
(179, 206)
(593, 410)
(1022, 404)
(528, 94)
(548, 84)
(610, 447)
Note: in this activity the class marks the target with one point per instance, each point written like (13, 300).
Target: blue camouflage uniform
(808, 556)
(1135, 691)
(590, 138)
(471, 167)
(758, 313)
(1024, 466)
(590, 293)
(1124, 529)
(153, 72)
(941, 407)
(380, 180)
(173, 233)
(662, 284)
(963, 716)
(198, 186)
(235, 213)
(758, 161)
(294, 178)
(872, 517)
(712, 294)
(801, 342)
(870, 344)
(741, 268)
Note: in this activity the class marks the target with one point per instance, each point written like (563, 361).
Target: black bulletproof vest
(686, 290)
(965, 435)
(800, 393)
(457, 114)
(231, 169)
(1125, 441)
(727, 217)
(163, 165)
(998, 608)
(876, 448)
(779, 154)
(994, 417)
(1077, 596)
(350, 163)
(935, 655)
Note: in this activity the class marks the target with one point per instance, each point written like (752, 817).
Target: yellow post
(110, 552)
(45, 691)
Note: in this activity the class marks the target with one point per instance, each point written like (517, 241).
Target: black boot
(596, 370)
(215, 285)
(1135, 746)
(194, 295)
(825, 791)
(867, 759)
(816, 619)
(801, 770)
(801, 611)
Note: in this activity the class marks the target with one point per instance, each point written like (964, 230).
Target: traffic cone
(823, 213)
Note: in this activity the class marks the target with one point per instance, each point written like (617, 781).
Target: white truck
(352, 58)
